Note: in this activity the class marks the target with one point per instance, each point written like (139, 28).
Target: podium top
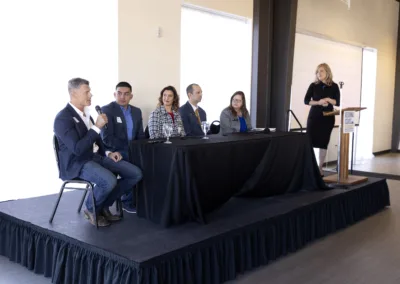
(337, 112)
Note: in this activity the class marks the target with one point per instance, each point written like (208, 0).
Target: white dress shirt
(194, 107)
(85, 116)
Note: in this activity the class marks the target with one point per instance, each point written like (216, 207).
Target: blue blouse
(243, 125)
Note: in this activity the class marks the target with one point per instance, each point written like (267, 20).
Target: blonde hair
(329, 76)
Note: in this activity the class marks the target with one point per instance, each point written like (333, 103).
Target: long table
(189, 178)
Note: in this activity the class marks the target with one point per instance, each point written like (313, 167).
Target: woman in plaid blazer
(166, 112)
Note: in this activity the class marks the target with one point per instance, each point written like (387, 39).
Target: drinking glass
(167, 128)
(205, 126)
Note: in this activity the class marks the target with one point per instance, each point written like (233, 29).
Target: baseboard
(381, 152)
(374, 153)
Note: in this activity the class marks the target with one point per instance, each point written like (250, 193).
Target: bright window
(44, 44)
(216, 54)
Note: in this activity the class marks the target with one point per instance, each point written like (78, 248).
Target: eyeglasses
(237, 101)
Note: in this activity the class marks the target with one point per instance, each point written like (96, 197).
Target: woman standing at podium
(321, 95)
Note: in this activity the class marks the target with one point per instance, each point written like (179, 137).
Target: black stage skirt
(320, 128)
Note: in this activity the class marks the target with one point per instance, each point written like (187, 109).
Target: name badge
(119, 120)
(76, 120)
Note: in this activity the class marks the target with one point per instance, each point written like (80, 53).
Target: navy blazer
(115, 137)
(75, 141)
(189, 119)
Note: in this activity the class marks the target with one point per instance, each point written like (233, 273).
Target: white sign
(349, 121)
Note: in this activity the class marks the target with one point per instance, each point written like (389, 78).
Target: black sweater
(320, 91)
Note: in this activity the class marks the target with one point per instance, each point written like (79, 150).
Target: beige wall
(242, 8)
(145, 60)
(150, 62)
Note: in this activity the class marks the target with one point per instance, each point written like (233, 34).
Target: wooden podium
(343, 157)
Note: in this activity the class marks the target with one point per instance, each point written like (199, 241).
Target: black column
(396, 105)
(274, 29)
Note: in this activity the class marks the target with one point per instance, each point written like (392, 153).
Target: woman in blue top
(236, 117)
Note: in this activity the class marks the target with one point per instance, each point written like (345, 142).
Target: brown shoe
(109, 216)
(101, 221)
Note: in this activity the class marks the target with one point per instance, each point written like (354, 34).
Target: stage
(245, 233)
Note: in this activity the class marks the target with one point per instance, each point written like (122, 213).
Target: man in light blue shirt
(125, 124)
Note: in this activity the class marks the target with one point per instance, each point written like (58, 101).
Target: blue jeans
(130, 198)
(102, 172)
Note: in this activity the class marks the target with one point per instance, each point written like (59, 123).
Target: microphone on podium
(98, 109)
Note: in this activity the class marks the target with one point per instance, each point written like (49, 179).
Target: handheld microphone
(98, 109)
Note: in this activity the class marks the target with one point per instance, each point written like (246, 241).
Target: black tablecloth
(185, 180)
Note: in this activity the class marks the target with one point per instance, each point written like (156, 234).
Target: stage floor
(150, 250)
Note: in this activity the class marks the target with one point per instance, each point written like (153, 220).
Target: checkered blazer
(158, 118)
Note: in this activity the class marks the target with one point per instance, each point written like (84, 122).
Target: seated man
(192, 115)
(125, 121)
(125, 124)
(82, 154)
